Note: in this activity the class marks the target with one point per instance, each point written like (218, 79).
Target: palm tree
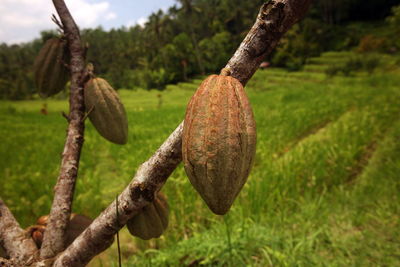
(189, 12)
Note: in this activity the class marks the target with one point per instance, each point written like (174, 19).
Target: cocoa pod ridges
(152, 220)
(106, 111)
(50, 72)
(219, 141)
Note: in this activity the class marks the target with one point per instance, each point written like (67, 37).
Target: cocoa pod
(152, 220)
(106, 111)
(36, 232)
(77, 224)
(219, 141)
(42, 220)
(50, 72)
(37, 236)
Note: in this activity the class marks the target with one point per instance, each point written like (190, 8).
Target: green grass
(324, 189)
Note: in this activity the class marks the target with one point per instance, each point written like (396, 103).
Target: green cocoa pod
(106, 111)
(219, 141)
(152, 221)
(50, 72)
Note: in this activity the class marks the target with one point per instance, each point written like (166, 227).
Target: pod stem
(225, 72)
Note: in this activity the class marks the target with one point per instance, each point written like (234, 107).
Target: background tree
(141, 56)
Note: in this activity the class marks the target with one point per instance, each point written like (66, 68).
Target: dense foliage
(196, 37)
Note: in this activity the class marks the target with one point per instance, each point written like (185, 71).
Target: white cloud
(141, 22)
(111, 16)
(22, 20)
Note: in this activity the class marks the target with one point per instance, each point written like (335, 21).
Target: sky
(23, 20)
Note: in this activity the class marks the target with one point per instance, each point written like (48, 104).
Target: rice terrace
(324, 186)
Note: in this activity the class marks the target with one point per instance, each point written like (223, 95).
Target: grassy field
(324, 189)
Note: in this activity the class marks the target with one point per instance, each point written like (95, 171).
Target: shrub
(371, 63)
(294, 64)
(371, 43)
(353, 64)
(394, 26)
(332, 70)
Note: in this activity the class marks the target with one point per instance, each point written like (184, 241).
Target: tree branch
(274, 19)
(17, 244)
(149, 178)
(53, 241)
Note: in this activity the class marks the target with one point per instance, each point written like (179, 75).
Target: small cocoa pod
(106, 111)
(36, 232)
(77, 224)
(43, 220)
(50, 72)
(219, 141)
(152, 221)
(37, 236)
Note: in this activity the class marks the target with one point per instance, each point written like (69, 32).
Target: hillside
(323, 190)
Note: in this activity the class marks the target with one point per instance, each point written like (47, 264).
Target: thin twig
(228, 235)
(57, 22)
(65, 116)
(88, 113)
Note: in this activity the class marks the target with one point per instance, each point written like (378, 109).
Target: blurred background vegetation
(195, 37)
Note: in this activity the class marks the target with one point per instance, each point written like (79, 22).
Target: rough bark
(274, 19)
(54, 236)
(6, 263)
(18, 245)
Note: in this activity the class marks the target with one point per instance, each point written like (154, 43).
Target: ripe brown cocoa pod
(36, 232)
(152, 221)
(37, 236)
(50, 72)
(42, 220)
(106, 111)
(219, 141)
(77, 224)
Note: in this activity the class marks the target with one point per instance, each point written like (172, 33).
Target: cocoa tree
(274, 19)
